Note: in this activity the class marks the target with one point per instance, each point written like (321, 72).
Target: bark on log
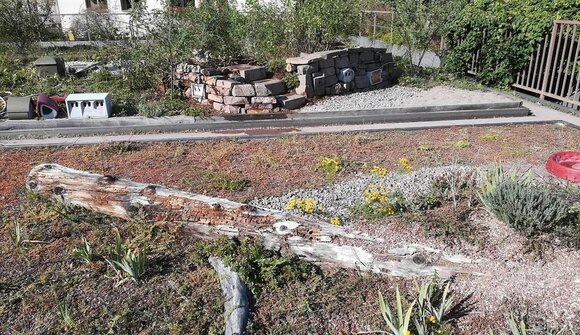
(236, 304)
(208, 218)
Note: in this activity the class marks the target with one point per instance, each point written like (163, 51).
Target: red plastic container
(565, 165)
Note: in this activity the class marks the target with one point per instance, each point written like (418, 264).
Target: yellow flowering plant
(303, 206)
(405, 165)
(380, 202)
(335, 220)
(329, 165)
(379, 171)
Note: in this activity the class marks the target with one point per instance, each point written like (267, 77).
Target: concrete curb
(18, 129)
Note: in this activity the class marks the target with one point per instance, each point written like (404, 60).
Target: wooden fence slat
(549, 60)
(570, 51)
(555, 61)
(562, 57)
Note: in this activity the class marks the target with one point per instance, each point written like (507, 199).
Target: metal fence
(377, 24)
(553, 70)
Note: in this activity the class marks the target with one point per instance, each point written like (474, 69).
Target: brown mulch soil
(275, 166)
(179, 296)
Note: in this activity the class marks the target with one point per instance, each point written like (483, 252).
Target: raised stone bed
(322, 73)
(236, 89)
(245, 88)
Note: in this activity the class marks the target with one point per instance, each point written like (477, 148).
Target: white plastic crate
(88, 106)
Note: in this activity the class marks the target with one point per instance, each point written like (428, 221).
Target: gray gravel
(399, 96)
(383, 98)
(337, 199)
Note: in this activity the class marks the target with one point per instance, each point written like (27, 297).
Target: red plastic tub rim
(565, 165)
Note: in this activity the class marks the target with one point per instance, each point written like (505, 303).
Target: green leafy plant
(405, 165)
(380, 202)
(379, 171)
(258, 267)
(329, 165)
(432, 311)
(517, 328)
(65, 314)
(425, 147)
(16, 235)
(462, 144)
(24, 23)
(84, 252)
(505, 39)
(490, 137)
(398, 323)
(291, 80)
(127, 261)
(420, 24)
(220, 181)
(525, 205)
(303, 206)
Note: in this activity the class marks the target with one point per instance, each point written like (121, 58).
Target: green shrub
(525, 205)
(512, 30)
(169, 106)
(380, 202)
(462, 144)
(330, 166)
(258, 268)
(291, 80)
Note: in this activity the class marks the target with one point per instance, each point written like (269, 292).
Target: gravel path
(397, 96)
(338, 199)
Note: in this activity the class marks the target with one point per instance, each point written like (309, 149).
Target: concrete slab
(269, 87)
(291, 101)
(249, 72)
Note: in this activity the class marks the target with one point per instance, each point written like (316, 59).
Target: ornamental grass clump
(522, 203)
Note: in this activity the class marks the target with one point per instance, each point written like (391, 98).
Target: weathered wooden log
(209, 218)
(236, 303)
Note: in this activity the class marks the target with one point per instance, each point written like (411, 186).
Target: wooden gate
(554, 68)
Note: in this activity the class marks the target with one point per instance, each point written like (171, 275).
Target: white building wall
(66, 11)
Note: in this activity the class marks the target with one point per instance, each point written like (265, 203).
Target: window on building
(182, 3)
(128, 4)
(96, 4)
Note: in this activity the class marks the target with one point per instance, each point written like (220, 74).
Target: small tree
(24, 22)
(421, 22)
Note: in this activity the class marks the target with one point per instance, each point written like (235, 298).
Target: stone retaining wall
(237, 89)
(245, 88)
(342, 71)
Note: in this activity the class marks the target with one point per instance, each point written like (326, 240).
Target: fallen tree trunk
(209, 218)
